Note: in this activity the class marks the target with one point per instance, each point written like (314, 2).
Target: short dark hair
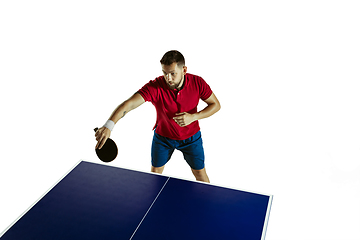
(173, 56)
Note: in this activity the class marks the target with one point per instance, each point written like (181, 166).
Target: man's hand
(101, 136)
(183, 119)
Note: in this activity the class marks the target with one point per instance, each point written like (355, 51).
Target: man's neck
(182, 83)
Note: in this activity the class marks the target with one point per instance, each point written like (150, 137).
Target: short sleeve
(205, 90)
(148, 91)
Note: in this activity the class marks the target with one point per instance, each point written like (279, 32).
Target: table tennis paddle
(108, 152)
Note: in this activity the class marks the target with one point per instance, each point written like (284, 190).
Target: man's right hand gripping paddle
(106, 149)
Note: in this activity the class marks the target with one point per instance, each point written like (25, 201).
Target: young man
(175, 96)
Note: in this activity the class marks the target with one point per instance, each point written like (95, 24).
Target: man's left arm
(213, 105)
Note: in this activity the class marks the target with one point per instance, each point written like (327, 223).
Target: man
(175, 96)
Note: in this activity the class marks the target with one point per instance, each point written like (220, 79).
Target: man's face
(174, 76)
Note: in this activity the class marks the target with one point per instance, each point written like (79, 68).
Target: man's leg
(157, 169)
(161, 151)
(193, 151)
(201, 175)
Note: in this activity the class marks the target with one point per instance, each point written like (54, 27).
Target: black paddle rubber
(108, 152)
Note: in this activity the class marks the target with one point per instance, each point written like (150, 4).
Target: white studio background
(285, 72)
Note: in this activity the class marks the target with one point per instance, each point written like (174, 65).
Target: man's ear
(184, 69)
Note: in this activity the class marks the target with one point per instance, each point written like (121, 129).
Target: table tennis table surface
(98, 201)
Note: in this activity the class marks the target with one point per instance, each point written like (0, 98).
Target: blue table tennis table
(97, 201)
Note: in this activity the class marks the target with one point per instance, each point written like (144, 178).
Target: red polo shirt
(168, 102)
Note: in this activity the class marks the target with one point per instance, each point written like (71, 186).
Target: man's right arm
(133, 102)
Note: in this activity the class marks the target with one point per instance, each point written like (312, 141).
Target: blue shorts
(192, 149)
